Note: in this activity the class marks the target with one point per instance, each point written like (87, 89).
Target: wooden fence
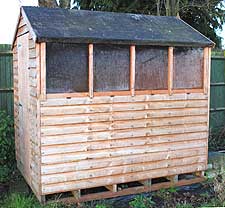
(217, 97)
(6, 79)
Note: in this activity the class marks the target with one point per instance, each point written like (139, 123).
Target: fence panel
(217, 101)
(6, 79)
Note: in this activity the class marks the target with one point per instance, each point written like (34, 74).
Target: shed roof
(82, 26)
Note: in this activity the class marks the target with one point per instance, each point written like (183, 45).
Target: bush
(7, 153)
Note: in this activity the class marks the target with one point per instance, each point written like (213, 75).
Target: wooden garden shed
(109, 104)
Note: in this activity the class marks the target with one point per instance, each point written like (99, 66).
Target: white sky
(9, 11)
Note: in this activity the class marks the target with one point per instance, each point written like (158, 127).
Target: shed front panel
(84, 141)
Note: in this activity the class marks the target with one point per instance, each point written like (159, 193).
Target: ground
(210, 193)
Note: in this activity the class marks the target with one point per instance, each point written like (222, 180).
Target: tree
(48, 3)
(55, 3)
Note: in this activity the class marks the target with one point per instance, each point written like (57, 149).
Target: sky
(9, 11)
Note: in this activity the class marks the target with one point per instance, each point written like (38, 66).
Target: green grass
(16, 200)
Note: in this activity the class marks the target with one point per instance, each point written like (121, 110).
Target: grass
(17, 200)
(170, 198)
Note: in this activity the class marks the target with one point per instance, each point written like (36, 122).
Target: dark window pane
(66, 68)
(111, 68)
(151, 70)
(188, 68)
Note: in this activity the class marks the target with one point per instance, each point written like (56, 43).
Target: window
(188, 68)
(151, 68)
(66, 68)
(111, 68)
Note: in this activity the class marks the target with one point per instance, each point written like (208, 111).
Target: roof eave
(124, 42)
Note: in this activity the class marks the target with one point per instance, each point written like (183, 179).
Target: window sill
(122, 93)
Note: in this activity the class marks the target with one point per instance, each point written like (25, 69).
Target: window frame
(131, 92)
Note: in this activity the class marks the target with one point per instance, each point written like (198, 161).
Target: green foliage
(141, 201)
(7, 153)
(101, 206)
(20, 201)
(172, 189)
(184, 206)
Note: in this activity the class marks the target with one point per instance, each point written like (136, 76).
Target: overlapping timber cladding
(109, 104)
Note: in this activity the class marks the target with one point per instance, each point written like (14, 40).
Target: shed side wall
(32, 175)
(84, 141)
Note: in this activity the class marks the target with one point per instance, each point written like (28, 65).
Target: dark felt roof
(50, 25)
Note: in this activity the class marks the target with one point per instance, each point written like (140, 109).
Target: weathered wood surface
(28, 145)
(131, 190)
(84, 141)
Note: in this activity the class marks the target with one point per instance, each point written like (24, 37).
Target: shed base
(117, 190)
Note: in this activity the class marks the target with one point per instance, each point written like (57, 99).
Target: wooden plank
(107, 122)
(112, 188)
(119, 161)
(43, 70)
(115, 107)
(122, 116)
(77, 139)
(132, 70)
(133, 190)
(118, 143)
(122, 99)
(206, 70)
(22, 30)
(104, 181)
(23, 93)
(170, 70)
(141, 138)
(150, 92)
(112, 93)
(116, 152)
(209, 78)
(90, 70)
(67, 95)
(38, 115)
(188, 90)
(121, 125)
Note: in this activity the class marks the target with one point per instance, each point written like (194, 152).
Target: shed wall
(84, 141)
(27, 148)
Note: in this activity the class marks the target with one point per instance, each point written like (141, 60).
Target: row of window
(67, 68)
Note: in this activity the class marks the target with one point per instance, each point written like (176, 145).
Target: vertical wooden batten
(90, 70)
(132, 70)
(170, 70)
(206, 70)
(43, 71)
(207, 76)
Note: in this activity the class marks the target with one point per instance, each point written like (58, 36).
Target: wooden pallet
(117, 190)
